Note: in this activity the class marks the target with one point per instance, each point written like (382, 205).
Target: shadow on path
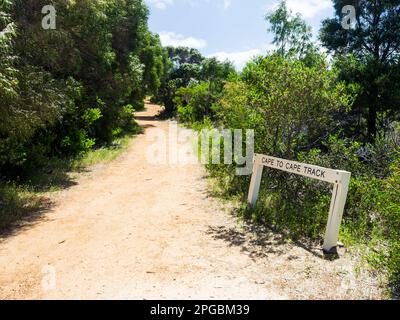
(259, 241)
(21, 213)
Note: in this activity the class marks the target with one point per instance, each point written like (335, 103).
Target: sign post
(339, 179)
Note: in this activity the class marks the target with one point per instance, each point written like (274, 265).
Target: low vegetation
(306, 109)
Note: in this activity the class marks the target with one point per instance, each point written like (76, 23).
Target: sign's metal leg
(255, 184)
(339, 196)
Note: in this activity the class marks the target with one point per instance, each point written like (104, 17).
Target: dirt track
(132, 230)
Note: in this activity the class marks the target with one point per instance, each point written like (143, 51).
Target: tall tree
(65, 89)
(30, 99)
(215, 73)
(292, 36)
(182, 66)
(7, 72)
(374, 42)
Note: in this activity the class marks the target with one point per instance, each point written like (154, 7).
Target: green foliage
(368, 55)
(292, 34)
(8, 81)
(65, 91)
(216, 73)
(290, 104)
(390, 203)
(187, 68)
(194, 103)
(91, 115)
(70, 93)
(293, 107)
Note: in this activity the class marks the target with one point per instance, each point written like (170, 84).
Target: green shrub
(390, 203)
(290, 104)
(292, 108)
(194, 103)
(66, 91)
(127, 118)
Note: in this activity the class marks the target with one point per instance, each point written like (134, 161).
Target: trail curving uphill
(132, 230)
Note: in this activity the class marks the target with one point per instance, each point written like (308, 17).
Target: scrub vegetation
(339, 112)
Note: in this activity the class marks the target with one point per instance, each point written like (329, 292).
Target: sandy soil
(132, 230)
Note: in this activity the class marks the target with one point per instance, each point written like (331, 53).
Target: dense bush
(194, 103)
(293, 109)
(390, 204)
(290, 104)
(64, 91)
(369, 60)
(188, 74)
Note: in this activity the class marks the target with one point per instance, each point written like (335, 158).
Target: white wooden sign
(339, 179)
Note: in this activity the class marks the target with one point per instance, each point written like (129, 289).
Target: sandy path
(131, 230)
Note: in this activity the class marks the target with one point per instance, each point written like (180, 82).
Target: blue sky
(227, 29)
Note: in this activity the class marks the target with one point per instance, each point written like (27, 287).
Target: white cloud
(307, 8)
(227, 3)
(160, 4)
(163, 4)
(177, 40)
(239, 58)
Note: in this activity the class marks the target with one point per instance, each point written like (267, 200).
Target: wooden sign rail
(339, 179)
